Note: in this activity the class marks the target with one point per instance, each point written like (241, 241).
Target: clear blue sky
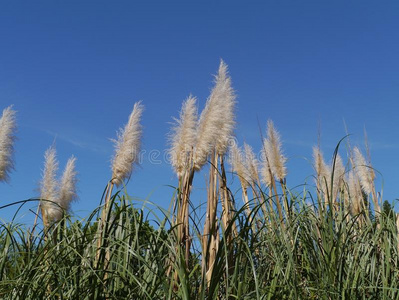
(73, 70)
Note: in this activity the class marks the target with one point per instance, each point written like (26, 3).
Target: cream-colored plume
(251, 162)
(237, 161)
(265, 169)
(183, 136)
(355, 193)
(323, 172)
(217, 120)
(7, 138)
(207, 133)
(274, 153)
(224, 93)
(127, 146)
(338, 176)
(322, 169)
(48, 187)
(364, 171)
(68, 185)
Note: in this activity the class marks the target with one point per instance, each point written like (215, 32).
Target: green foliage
(312, 257)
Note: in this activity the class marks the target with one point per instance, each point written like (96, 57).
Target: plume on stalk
(48, 187)
(364, 171)
(265, 170)
(216, 122)
(183, 136)
(338, 176)
(224, 93)
(323, 171)
(251, 162)
(238, 164)
(355, 193)
(274, 153)
(7, 138)
(127, 146)
(68, 184)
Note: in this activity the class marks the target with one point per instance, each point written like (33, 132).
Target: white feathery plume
(238, 164)
(48, 187)
(251, 163)
(323, 172)
(355, 193)
(217, 120)
(68, 184)
(224, 93)
(127, 146)
(265, 170)
(183, 136)
(338, 176)
(364, 171)
(322, 169)
(207, 133)
(7, 138)
(274, 153)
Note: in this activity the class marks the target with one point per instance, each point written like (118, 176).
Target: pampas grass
(251, 163)
(50, 207)
(7, 138)
(238, 163)
(366, 176)
(183, 137)
(56, 196)
(225, 95)
(217, 120)
(127, 146)
(364, 171)
(323, 174)
(274, 152)
(338, 176)
(266, 172)
(68, 182)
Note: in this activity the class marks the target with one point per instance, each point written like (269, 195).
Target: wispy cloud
(83, 143)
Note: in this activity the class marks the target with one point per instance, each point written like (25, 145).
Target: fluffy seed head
(68, 184)
(274, 153)
(265, 170)
(319, 164)
(183, 136)
(216, 122)
(127, 146)
(48, 186)
(323, 171)
(338, 176)
(237, 161)
(251, 162)
(355, 193)
(7, 138)
(364, 171)
(224, 93)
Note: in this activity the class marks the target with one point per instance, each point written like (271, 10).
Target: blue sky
(73, 70)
